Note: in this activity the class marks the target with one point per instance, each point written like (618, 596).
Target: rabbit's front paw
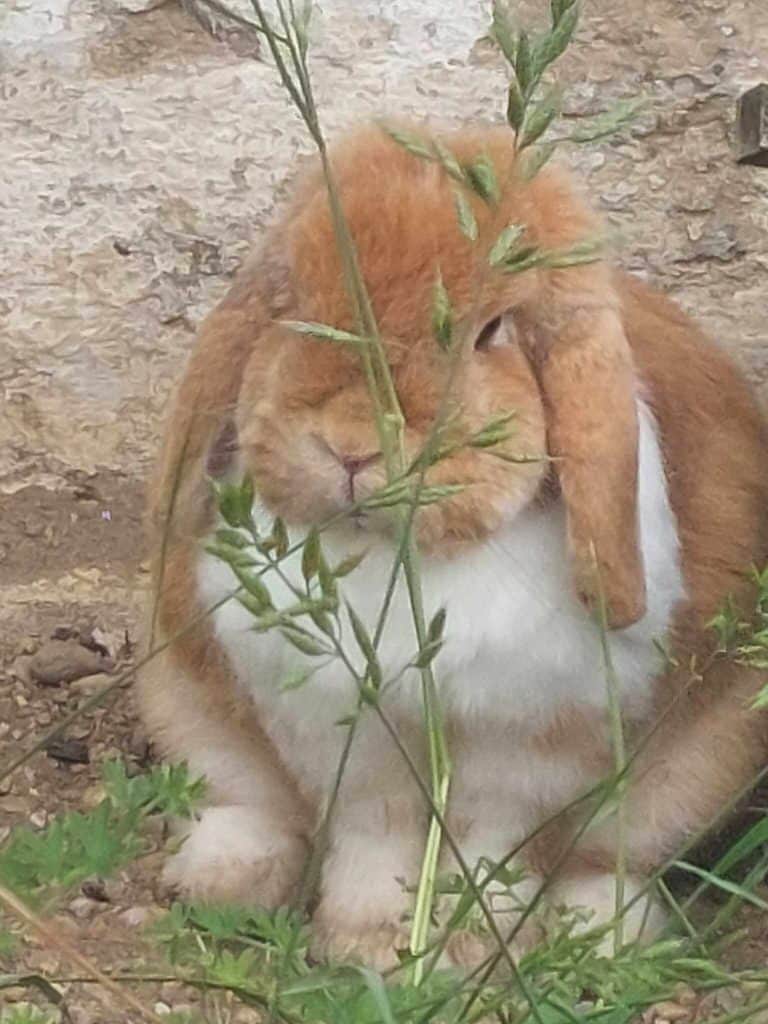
(233, 855)
(592, 901)
(364, 909)
(374, 943)
(473, 943)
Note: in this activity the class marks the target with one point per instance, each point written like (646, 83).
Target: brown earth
(139, 158)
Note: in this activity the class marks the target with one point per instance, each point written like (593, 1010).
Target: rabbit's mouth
(358, 518)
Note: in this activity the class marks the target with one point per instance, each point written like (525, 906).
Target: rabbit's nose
(354, 464)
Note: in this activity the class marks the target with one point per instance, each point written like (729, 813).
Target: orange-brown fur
(585, 332)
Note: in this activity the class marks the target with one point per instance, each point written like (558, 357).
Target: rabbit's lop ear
(587, 378)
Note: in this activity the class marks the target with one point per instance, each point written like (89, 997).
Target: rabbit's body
(519, 645)
(659, 490)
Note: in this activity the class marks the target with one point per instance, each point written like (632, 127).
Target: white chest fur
(518, 645)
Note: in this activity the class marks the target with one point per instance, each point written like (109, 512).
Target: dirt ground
(139, 158)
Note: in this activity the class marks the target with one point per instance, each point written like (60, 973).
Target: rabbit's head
(545, 346)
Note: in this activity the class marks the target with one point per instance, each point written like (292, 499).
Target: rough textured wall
(139, 157)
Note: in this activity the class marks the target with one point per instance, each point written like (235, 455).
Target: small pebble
(138, 6)
(137, 917)
(248, 1016)
(62, 661)
(68, 751)
(93, 796)
(91, 684)
(12, 804)
(83, 908)
(685, 995)
(14, 993)
(670, 1011)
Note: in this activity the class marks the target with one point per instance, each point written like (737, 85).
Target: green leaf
(743, 847)
(280, 537)
(24, 1013)
(554, 42)
(465, 216)
(503, 30)
(494, 432)
(369, 694)
(346, 720)
(557, 9)
(266, 620)
(437, 625)
(589, 251)
(430, 495)
(449, 163)
(524, 68)
(245, 502)
(232, 556)
(533, 159)
(323, 332)
(322, 620)
(523, 259)
(506, 241)
(442, 315)
(228, 501)
(427, 653)
(232, 538)
(310, 555)
(375, 986)
(296, 679)
(609, 122)
(723, 883)
(328, 584)
(251, 604)
(348, 564)
(539, 117)
(482, 179)
(393, 494)
(515, 105)
(414, 144)
(301, 25)
(365, 645)
(305, 643)
(255, 586)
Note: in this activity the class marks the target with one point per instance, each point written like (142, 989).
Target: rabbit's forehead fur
(302, 399)
(402, 215)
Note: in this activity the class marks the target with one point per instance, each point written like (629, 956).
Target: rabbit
(639, 505)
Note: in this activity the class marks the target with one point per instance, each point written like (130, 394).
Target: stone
(62, 661)
(138, 917)
(83, 908)
(70, 751)
(671, 1011)
(89, 685)
(138, 6)
(752, 127)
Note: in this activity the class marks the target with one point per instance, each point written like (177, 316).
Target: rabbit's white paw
(233, 855)
(374, 944)
(469, 946)
(594, 896)
(363, 913)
